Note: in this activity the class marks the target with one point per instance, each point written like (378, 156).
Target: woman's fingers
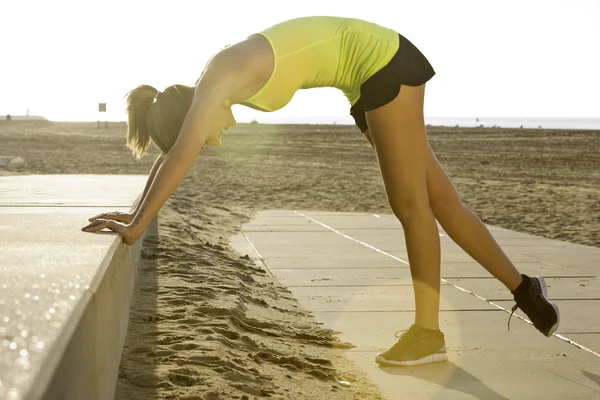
(115, 215)
(122, 229)
(100, 224)
(96, 225)
(96, 217)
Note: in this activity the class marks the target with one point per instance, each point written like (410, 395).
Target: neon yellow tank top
(323, 52)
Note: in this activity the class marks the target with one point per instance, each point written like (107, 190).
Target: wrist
(130, 217)
(134, 232)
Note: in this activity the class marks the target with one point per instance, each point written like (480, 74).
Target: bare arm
(179, 160)
(168, 176)
(127, 217)
(207, 117)
(208, 114)
(157, 163)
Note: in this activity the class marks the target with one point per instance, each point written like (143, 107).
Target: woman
(383, 76)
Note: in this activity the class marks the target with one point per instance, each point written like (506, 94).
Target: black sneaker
(531, 297)
(416, 346)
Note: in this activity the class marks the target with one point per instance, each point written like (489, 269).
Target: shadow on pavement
(450, 376)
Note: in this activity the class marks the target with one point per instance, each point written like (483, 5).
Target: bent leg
(465, 228)
(397, 130)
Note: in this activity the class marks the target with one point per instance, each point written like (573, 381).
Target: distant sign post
(102, 108)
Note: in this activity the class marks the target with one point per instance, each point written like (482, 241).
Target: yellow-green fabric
(323, 52)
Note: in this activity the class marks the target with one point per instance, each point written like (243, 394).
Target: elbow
(182, 156)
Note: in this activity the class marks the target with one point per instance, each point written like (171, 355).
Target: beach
(208, 323)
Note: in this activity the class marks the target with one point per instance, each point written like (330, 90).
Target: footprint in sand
(152, 333)
(143, 380)
(141, 350)
(164, 353)
(190, 321)
(229, 334)
(251, 390)
(249, 342)
(179, 302)
(151, 318)
(212, 396)
(209, 361)
(184, 346)
(183, 377)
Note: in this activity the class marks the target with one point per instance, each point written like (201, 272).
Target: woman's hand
(125, 230)
(115, 216)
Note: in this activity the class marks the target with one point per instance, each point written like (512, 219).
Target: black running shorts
(408, 67)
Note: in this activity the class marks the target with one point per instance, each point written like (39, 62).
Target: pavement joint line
(561, 337)
(263, 231)
(351, 238)
(336, 286)
(549, 263)
(258, 255)
(250, 226)
(568, 299)
(447, 262)
(297, 231)
(400, 311)
(545, 277)
(574, 343)
(335, 268)
(474, 263)
(379, 216)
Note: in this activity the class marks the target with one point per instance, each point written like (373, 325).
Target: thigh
(400, 140)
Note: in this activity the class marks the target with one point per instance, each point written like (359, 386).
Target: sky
(511, 58)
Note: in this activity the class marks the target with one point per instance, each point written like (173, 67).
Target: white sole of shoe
(554, 327)
(438, 357)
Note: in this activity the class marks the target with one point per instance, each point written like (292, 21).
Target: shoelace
(396, 334)
(511, 314)
(538, 302)
(401, 335)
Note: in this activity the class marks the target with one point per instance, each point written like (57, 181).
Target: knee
(408, 210)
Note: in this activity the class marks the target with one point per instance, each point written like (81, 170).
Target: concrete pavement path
(351, 271)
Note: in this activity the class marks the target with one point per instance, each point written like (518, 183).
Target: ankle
(514, 285)
(522, 286)
(428, 326)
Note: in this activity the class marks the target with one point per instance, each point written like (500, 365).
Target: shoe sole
(554, 327)
(434, 358)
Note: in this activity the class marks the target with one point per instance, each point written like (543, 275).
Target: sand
(207, 323)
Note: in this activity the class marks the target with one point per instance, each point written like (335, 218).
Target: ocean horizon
(485, 122)
(515, 122)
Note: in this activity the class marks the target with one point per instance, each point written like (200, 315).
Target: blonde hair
(156, 116)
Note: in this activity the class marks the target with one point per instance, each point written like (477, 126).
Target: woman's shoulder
(236, 67)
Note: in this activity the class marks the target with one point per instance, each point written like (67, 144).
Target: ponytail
(139, 102)
(158, 121)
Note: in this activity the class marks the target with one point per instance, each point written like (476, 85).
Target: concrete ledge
(64, 294)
